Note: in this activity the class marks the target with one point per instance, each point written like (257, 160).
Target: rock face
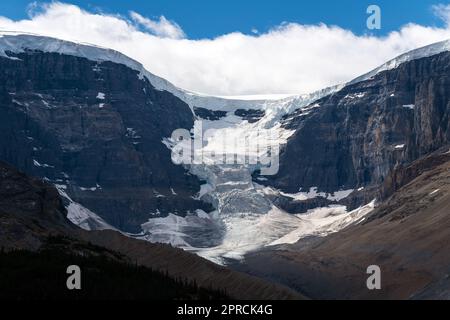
(33, 218)
(353, 138)
(30, 210)
(251, 116)
(207, 114)
(406, 236)
(96, 128)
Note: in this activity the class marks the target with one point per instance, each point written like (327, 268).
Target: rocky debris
(207, 114)
(250, 115)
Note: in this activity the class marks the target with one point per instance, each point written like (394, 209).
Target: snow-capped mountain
(98, 125)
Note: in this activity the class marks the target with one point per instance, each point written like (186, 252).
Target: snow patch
(204, 189)
(353, 96)
(81, 216)
(324, 221)
(238, 234)
(97, 187)
(43, 165)
(419, 53)
(313, 193)
(132, 133)
(435, 191)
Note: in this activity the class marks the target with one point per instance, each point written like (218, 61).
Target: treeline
(26, 275)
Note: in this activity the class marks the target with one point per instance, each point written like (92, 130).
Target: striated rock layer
(353, 138)
(96, 128)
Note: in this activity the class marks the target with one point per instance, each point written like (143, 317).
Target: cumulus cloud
(291, 58)
(163, 28)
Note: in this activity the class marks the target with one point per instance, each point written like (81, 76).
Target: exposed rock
(401, 175)
(354, 137)
(250, 115)
(27, 208)
(207, 114)
(98, 129)
(406, 236)
(32, 217)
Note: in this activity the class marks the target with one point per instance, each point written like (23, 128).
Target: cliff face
(30, 210)
(406, 236)
(355, 137)
(97, 130)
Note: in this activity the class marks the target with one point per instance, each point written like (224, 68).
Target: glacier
(245, 219)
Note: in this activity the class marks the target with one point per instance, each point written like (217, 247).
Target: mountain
(36, 232)
(97, 125)
(406, 236)
(94, 128)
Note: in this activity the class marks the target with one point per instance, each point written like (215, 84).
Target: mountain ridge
(100, 131)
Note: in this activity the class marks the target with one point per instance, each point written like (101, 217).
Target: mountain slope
(407, 236)
(102, 279)
(352, 138)
(96, 124)
(33, 218)
(96, 130)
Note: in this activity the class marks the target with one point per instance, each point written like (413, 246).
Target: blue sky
(208, 46)
(208, 18)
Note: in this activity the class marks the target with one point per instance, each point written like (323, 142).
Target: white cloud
(443, 12)
(290, 58)
(162, 28)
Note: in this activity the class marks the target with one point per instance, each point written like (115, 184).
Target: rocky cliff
(96, 129)
(356, 136)
(406, 236)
